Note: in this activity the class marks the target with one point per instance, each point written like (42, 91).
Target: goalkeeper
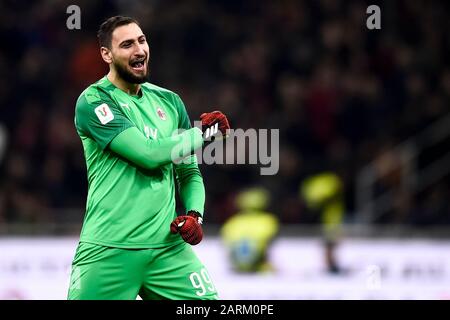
(132, 242)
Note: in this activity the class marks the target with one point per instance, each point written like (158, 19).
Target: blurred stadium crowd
(340, 94)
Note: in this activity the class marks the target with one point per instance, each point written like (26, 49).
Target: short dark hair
(106, 29)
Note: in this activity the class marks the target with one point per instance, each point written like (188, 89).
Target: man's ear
(106, 55)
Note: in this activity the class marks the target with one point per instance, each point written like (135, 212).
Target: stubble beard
(128, 76)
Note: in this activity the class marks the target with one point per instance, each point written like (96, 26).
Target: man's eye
(143, 40)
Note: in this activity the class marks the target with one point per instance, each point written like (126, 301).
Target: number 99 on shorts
(202, 282)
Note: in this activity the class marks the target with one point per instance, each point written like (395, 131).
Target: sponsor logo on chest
(151, 132)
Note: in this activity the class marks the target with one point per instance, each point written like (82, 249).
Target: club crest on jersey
(161, 114)
(104, 113)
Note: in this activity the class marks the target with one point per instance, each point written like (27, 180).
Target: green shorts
(174, 272)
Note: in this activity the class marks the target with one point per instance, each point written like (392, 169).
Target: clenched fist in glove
(212, 123)
(189, 227)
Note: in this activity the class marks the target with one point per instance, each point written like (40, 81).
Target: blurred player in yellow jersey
(323, 193)
(249, 233)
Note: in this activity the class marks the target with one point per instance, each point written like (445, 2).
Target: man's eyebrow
(127, 41)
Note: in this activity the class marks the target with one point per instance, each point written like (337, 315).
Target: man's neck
(130, 88)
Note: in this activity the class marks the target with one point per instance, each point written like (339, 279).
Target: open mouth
(138, 65)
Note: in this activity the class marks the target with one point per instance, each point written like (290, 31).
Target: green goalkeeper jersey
(129, 206)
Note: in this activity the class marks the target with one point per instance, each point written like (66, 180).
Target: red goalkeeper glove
(189, 226)
(212, 123)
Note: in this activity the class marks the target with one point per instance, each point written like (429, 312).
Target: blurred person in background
(249, 233)
(323, 195)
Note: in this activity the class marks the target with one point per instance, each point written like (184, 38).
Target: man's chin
(132, 76)
(135, 78)
(138, 79)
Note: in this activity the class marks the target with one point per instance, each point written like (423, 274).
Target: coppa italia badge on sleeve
(161, 114)
(104, 113)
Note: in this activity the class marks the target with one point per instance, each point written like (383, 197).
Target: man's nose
(139, 50)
